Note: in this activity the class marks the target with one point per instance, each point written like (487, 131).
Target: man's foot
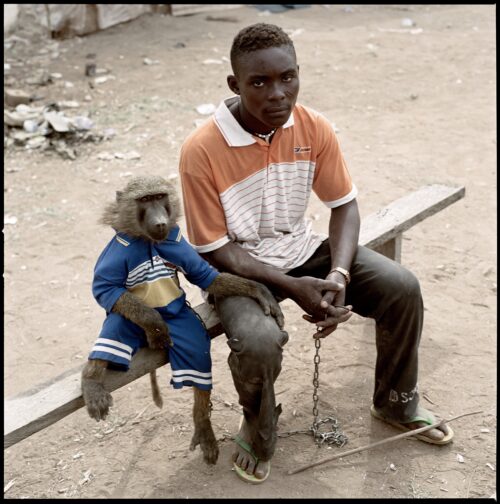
(440, 435)
(246, 464)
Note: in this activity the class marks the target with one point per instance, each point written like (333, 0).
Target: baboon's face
(153, 215)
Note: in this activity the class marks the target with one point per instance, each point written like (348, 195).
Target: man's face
(267, 81)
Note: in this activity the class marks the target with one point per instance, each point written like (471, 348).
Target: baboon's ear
(119, 195)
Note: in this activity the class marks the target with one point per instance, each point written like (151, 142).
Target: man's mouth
(277, 111)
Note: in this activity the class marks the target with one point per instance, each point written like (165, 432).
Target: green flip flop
(429, 419)
(242, 474)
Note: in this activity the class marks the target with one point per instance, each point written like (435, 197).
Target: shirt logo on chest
(301, 150)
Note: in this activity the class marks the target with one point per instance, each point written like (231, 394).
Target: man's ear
(232, 82)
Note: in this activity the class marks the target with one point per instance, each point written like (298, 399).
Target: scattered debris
(14, 97)
(9, 219)
(107, 156)
(46, 127)
(128, 155)
(8, 486)
(41, 77)
(426, 397)
(412, 31)
(485, 431)
(408, 23)
(206, 108)
(294, 33)
(90, 69)
(86, 477)
(212, 62)
(392, 467)
(460, 458)
(148, 61)
(179, 45)
(103, 79)
(491, 466)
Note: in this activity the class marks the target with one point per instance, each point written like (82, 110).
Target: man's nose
(277, 93)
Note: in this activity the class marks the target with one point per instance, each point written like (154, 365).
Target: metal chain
(335, 435)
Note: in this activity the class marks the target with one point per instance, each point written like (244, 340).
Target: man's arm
(307, 292)
(343, 237)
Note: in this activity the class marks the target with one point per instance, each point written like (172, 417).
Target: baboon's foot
(97, 400)
(205, 437)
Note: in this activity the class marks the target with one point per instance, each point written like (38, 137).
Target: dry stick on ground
(383, 441)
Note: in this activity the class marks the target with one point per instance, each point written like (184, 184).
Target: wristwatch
(343, 272)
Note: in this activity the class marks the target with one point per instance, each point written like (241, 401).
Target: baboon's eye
(159, 196)
(144, 199)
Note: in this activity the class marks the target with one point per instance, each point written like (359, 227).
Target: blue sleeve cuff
(207, 280)
(108, 299)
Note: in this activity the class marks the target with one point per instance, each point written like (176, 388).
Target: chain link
(335, 435)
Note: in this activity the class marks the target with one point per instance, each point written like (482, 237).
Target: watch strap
(343, 272)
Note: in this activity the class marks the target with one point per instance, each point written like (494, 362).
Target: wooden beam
(391, 248)
(51, 401)
(404, 213)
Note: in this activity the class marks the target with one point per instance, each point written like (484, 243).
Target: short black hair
(258, 36)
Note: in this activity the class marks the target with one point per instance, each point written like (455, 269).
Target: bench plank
(400, 215)
(51, 401)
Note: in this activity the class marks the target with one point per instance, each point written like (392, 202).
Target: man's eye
(288, 78)
(258, 84)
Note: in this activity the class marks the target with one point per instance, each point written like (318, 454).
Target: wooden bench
(47, 403)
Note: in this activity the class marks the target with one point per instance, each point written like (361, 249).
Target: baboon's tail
(155, 390)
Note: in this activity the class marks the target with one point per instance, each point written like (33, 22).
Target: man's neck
(261, 132)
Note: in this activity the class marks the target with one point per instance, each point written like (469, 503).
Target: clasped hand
(323, 300)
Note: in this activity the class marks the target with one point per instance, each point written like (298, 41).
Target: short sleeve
(198, 271)
(110, 275)
(332, 182)
(205, 219)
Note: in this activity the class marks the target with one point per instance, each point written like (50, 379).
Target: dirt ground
(413, 105)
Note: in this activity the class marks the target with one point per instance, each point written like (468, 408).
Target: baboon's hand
(268, 303)
(157, 331)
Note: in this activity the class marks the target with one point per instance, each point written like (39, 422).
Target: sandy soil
(412, 108)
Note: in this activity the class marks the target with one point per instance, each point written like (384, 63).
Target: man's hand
(309, 292)
(334, 312)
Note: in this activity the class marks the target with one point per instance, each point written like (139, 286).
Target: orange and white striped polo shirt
(238, 188)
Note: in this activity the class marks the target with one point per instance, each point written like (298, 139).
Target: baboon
(136, 282)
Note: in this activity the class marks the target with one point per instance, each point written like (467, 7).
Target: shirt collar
(231, 130)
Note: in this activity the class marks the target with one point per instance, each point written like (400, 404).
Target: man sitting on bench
(247, 175)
